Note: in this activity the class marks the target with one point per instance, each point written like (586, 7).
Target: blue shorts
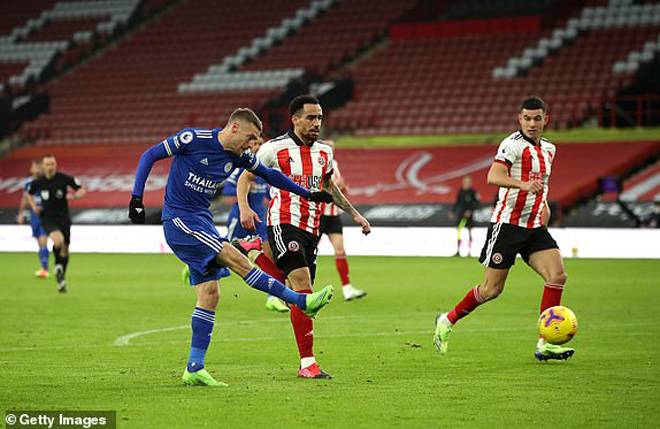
(235, 230)
(37, 228)
(195, 241)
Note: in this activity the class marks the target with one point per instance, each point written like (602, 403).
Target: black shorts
(293, 248)
(57, 224)
(505, 241)
(330, 225)
(469, 222)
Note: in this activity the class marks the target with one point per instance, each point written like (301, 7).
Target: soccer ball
(557, 325)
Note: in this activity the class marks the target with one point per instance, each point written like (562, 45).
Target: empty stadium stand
(339, 34)
(130, 93)
(56, 35)
(179, 70)
(186, 69)
(431, 86)
(18, 14)
(452, 71)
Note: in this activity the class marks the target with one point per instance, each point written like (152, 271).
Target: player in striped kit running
(521, 169)
(293, 222)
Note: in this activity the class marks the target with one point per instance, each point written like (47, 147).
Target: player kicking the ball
(202, 160)
(522, 171)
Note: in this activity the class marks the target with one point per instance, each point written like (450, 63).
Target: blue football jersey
(258, 191)
(199, 166)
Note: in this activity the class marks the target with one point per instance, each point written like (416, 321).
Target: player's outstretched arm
(279, 180)
(340, 200)
(248, 216)
(149, 157)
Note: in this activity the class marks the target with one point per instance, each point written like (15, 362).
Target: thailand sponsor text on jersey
(199, 166)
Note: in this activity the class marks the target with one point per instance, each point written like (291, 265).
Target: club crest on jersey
(228, 167)
(186, 137)
(497, 258)
(59, 194)
(45, 194)
(294, 246)
(321, 161)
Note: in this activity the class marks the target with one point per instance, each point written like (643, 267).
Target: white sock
(307, 362)
(445, 322)
(541, 343)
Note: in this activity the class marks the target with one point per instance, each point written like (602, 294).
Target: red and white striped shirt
(330, 208)
(526, 161)
(306, 166)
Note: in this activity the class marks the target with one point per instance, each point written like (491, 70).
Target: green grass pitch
(58, 351)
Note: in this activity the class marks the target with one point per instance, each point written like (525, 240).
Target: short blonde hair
(245, 114)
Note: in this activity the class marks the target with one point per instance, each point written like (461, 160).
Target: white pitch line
(353, 335)
(124, 340)
(346, 335)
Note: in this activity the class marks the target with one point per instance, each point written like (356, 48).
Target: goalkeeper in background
(467, 201)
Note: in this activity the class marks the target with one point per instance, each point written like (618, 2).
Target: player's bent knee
(210, 301)
(558, 278)
(208, 295)
(234, 260)
(300, 279)
(241, 265)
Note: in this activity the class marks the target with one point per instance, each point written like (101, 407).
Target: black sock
(56, 255)
(65, 262)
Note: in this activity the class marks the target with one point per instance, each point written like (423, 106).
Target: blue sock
(202, 327)
(265, 283)
(43, 257)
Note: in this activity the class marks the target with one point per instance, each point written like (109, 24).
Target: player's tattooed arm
(340, 200)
